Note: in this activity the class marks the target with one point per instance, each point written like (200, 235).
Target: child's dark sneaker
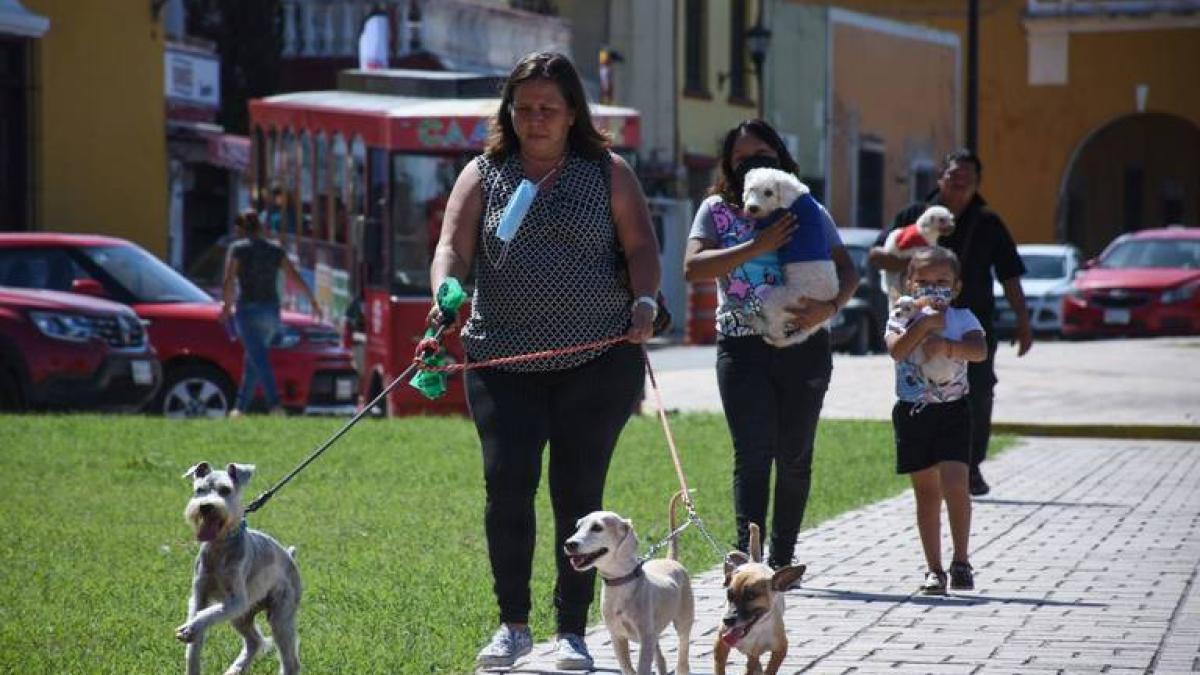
(962, 577)
(934, 584)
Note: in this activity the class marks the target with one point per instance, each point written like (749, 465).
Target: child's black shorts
(940, 432)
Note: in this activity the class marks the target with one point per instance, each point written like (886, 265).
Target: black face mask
(753, 162)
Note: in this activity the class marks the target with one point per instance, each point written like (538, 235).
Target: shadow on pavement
(1022, 502)
(958, 600)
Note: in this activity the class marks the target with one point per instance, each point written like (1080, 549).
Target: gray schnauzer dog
(239, 572)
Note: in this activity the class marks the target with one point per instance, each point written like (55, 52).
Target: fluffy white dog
(808, 271)
(936, 221)
(939, 370)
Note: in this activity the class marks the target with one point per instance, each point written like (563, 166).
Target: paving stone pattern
(1086, 556)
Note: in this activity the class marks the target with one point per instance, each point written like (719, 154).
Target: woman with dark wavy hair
(772, 396)
(558, 234)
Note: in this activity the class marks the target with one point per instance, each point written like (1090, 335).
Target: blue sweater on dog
(808, 241)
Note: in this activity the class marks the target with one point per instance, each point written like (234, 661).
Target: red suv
(64, 351)
(1144, 283)
(201, 364)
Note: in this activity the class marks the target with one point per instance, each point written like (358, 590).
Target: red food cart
(361, 181)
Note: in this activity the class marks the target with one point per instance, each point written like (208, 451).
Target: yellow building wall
(99, 134)
(912, 110)
(1029, 134)
(703, 122)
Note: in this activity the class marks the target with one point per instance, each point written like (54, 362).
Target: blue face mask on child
(936, 292)
(516, 210)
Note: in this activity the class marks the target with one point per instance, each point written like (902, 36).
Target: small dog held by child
(239, 573)
(808, 270)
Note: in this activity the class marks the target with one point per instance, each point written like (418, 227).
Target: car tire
(861, 342)
(195, 390)
(11, 398)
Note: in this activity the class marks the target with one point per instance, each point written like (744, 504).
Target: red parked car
(1143, 283)
(201, 364)
(61, 351)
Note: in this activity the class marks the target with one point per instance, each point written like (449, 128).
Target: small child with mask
(931, 419)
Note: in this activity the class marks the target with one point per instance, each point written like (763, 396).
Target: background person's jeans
(257, 324)
(772, 399)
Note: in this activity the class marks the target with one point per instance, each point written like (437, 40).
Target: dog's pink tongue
(732, 636)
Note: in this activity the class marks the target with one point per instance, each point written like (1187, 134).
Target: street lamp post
(758, 39)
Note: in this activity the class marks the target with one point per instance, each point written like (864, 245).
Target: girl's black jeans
(579, 412)
(772, 399)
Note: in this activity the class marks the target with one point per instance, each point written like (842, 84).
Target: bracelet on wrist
(649, 301)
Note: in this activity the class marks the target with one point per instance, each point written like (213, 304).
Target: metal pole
(759, 60)
(972, 140)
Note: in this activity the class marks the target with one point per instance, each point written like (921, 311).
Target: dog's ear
(240, 473)
(785, 577)
(734, 560)
(199, 471)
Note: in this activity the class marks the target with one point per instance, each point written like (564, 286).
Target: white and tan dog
(753, 622)
(638, 599)
(934, 222)
(808, 271)
(939, 370)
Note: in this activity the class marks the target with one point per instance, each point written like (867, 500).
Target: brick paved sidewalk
(1086, 557)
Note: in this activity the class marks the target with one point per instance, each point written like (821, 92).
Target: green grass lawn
(96, 559)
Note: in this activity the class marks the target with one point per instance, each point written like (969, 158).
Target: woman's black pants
(579, 412)
(772, 399)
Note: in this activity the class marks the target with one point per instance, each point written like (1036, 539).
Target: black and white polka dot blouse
(560, 282)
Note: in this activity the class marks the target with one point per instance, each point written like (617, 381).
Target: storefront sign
(229, 151)
(193, 77)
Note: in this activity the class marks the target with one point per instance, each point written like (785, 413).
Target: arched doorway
(1135, 172)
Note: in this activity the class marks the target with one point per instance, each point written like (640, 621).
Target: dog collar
(621, 581)
(236, 533)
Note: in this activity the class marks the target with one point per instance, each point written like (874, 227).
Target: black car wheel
(11, 398)
(195, 390)
(861, 342)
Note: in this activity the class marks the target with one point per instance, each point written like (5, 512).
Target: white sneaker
(571, 653)
(507, 645)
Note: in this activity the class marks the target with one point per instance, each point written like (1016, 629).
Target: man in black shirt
(983, 244)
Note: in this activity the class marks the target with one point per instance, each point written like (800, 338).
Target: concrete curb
(1153, 432)
(1158, 432)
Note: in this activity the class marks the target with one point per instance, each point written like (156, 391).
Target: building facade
(93, 143)
(1089, 117)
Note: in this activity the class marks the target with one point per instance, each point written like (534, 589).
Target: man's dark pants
(982, 379)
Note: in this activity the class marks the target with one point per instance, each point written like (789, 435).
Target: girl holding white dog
(931, 419)
(772, 396)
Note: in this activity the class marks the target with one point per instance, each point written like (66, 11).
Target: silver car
(1050, 268)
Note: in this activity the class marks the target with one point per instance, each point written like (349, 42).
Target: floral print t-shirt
(740, 293)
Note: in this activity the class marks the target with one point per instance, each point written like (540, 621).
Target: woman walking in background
(252, 266)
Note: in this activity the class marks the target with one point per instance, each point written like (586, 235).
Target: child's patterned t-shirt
(911, 386)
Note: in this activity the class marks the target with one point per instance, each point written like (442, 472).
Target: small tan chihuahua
(753, 620)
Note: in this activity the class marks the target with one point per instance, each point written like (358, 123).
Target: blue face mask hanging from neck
(516, 209)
